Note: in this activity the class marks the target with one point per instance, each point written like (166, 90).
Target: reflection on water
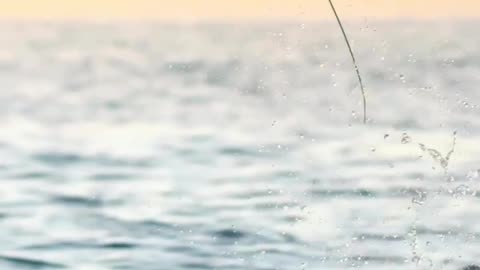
(237, 147)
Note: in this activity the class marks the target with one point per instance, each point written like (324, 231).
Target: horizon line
(252, 20)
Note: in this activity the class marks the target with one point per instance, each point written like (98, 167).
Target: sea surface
(162, 146)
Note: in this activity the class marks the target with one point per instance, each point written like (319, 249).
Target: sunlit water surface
(157, 146)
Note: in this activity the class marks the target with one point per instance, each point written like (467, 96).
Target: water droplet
(420, 197)
(472, 174)
(461, 190)
(373, 149)
(406, 139)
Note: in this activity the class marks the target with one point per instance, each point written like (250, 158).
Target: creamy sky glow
(182, 10)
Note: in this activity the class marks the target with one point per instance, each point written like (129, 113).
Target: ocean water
(238, 146)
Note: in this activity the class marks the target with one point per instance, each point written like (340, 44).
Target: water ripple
(20, 261)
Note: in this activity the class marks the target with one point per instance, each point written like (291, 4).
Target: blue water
(238, 146)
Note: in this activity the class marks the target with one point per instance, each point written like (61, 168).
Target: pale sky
(187, 10)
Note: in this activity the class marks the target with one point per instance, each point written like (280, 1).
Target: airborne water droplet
(406, 139)
(472, 174)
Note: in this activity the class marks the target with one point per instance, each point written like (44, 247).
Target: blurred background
(228, 135)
